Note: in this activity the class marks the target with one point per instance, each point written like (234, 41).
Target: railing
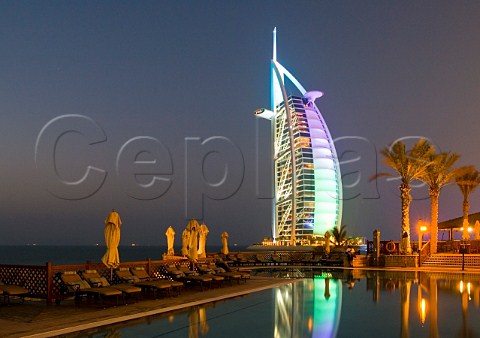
(454, 246)
(32, 277)
(424, 254)
(384, 249)
(43, 281)
(277, 257)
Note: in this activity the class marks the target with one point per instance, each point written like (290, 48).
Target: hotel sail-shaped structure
(307, 179)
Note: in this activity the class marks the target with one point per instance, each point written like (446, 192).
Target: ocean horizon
(78, 254)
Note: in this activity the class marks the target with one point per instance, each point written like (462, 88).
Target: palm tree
(409, 165)
(467, 182)
(439, 173)
(339, 234)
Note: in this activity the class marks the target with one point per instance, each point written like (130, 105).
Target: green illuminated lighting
(308, 186)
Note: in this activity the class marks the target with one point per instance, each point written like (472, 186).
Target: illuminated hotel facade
(307, 180)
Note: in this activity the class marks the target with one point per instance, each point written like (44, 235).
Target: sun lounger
(245, 260)
(142, 274)
(244, 274)
(277, 259)
(96, 280)
(8, 290)
(262, 260)
(230, 275)
(205, 271)
(79, 287)
(188, 276)
(215, 270)
(224, 258)
(315, 260)
(142, 279)
(233, 259)
(146, 285)
(334, 259)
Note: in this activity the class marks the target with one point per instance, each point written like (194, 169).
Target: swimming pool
(329, 303)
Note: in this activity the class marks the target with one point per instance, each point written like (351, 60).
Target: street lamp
(464, 245)
(421, 229)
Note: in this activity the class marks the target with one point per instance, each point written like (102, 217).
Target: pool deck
(36, 319)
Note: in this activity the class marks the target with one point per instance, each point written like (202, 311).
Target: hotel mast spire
(274, 57)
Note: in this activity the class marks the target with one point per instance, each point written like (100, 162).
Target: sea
(79, 254)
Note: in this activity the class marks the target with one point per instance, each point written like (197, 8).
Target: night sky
(101, 84)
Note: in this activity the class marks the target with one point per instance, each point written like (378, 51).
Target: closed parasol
(225, 243)
(193, 245)
(170, 239)
(202, 242)
(185, 242)
(112, 238)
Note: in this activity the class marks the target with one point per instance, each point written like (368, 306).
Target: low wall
(43, 281)
(403, 261)
(360, 261)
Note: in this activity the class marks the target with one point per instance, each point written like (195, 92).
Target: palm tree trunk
(434, 195)
(466, 206)
(466, 209)
(405, 247)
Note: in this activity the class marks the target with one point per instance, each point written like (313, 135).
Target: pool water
(329, 303)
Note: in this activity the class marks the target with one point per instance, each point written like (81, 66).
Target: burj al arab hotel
(307, 181)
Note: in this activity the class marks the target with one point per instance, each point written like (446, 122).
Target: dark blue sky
(165, 76)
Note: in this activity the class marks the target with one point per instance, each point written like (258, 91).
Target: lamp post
(421, 229)
(464, 248)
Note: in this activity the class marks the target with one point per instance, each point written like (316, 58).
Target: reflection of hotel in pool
(320, 298)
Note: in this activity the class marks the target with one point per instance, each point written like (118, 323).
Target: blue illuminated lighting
(301, 140)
